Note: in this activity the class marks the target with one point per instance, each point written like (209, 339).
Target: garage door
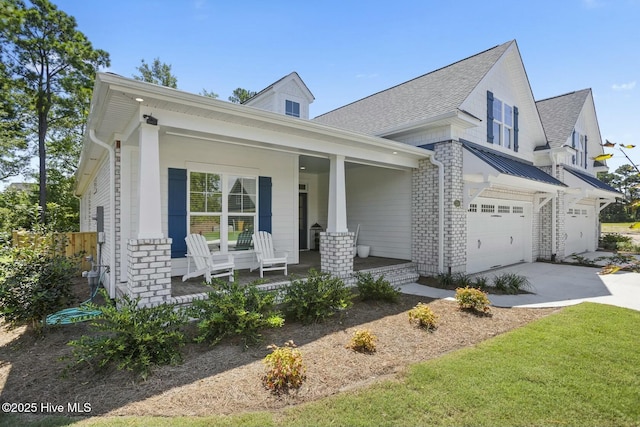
(580, 225)
(498, 233)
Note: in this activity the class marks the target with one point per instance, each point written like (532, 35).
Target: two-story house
(453, 170)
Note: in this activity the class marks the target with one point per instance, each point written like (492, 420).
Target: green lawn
(618, 227)
(580, 366)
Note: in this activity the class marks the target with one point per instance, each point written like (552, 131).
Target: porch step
(399, 274)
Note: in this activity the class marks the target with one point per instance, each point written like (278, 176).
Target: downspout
(112, 204)
(554, 226)
(440, 167)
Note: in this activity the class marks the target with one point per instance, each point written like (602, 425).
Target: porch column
(337, 221)
(149, 210)
(336, 244)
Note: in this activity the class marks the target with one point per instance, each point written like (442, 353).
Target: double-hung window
(221, 207)
(502, 123)
(292, 108)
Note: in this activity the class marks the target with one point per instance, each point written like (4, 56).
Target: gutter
(440, 167)
(112, 203)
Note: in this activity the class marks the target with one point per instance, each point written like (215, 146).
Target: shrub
(511, 283)
(450, 280)
(363, 341)
(232, 310)
(131, 337)
(35, 282)
(423, 316)
(480, 282)
(611, 241)
(376, 290)
(285, 368)
(316, 298)
(473, 299)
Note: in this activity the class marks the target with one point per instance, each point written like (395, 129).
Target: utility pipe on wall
(112, 204)
(440, 167)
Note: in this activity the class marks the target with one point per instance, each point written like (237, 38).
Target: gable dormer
(289, 96)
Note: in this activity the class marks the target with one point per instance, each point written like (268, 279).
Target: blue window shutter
(585, 152)
(515, 129)
(177, 211)
(264, 207)
(573, 145)
(490, 117)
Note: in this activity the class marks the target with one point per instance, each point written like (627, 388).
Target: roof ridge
(564, 94)
(416, 78)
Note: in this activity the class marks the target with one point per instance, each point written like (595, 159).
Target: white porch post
(336, 244)
(149, 214)
(337, 221)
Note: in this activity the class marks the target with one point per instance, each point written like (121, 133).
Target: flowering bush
(423, 316)
(363, 341)
(473, 299)
(286, 370)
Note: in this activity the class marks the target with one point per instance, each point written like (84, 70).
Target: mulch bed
(225, 379)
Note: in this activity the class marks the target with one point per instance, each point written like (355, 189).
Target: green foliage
(379, 289)
(132, 337)
(458, 279)
(473, 299)
(240, 95)
(232, 310)
(511, 283)
(51, 66)
(157, 73)
(422, 316)
(34, 282)
(316, 298)
(363, 341)
(611, 241)
(285, 368)
(480, 282)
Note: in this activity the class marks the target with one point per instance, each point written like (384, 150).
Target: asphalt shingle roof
(560, 114)
(429, 95)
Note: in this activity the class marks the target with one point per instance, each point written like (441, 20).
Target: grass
(618, 227)
(577, 367)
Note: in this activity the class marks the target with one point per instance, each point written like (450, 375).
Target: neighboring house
(451, 170)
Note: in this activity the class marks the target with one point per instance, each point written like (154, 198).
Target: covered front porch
(394, 270)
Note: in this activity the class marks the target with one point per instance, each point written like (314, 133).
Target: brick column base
(149, 271)
(336, 254)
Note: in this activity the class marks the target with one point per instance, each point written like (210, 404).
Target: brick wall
(149, 270)
(336, 253)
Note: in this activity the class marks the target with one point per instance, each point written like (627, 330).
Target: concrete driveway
(556, 285)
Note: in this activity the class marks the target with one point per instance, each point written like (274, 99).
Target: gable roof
(560, 114)
(438, 92)
(293, 75)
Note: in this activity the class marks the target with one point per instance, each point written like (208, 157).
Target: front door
(302, 221)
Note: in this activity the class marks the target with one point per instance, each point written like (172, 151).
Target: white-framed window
(223, 208)
(502, 123)
(579, 158)
(292, 108)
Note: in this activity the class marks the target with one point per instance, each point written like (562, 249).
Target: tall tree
(158, 73)
(14, 157)
(210, 94)
(240, 95)
(52, 66)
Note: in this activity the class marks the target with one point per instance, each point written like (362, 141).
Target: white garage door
(498, 233)
(580, 225)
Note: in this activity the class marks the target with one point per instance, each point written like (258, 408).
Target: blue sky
(345, 50)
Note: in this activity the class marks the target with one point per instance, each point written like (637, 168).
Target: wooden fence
(68, 244)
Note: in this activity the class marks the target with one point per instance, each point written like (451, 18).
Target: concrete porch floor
(307, 260)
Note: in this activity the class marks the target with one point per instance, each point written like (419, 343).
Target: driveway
(557, 285)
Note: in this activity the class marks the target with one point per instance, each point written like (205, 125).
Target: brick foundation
(149, 271)
(336, 254)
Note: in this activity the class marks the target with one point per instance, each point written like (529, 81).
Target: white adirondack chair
(268, 259)
(206, 263)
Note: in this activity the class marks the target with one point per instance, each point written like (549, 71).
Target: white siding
(509, 83)
(380, 201)
(177, 152)
(99, 196)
